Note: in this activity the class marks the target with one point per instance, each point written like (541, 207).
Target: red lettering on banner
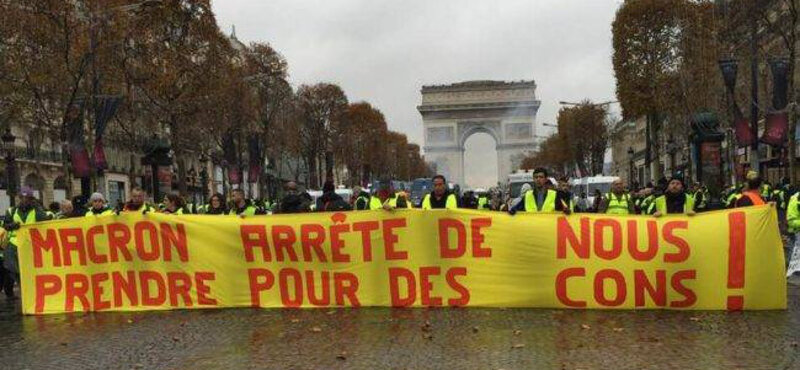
(390, 239)
(260, 280)
(633, 241)
(118, 238)
(138, 236)
(297, 281)
(169, 238)
(128, 286)
(346, 286)
(72, 241)
(160, 297)
(90, 245)
(683, 247)
(249, 243)
(180, 284)
(561, 286)
(324, 285)
(283, 238)
(50, 244)
(45, 285)
(478, 238)
(463, 298)
(600, 292)
(616, 239)
(445, 225)
(425, 286)
(314, 242)
(76, 286)
(203, 290)
(657, 293)
(690, 298)
(565, 234)
(337, 244)
(395, 274)
(366, 228)
(97, 292)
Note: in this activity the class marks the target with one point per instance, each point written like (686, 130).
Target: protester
(98, 206)
(330, 201)
(174, 205)
(137, 202)
(751, 194)
(360, 199)
(385, 198)
(293, 201)
(440, 197)
(541, 199)
(564, 193)
(242, 206)
(66, 210)
(216, 205)
(674, 201)
(618, 202)
(27, 212)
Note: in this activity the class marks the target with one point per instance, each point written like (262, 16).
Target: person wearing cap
(751, 194)
(540, 199)
(440, 197)
(97, 206)
(137, 202)
(27, 212)
(618, 202)
(361, 201)
(675, 200)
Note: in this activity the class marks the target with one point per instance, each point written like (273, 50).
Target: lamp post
(11, 165)
(204, 177)
(630, 167)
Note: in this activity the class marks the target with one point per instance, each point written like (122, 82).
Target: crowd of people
(668, 196)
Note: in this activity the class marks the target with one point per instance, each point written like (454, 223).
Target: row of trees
(181, 77)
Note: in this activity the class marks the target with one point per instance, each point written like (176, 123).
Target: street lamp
(204, 176)
(11, 169)
(630, 166)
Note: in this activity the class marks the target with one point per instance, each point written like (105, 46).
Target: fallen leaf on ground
(316, 329)
(295, 320)
(342, 356)
(427, 336)
(694, 318)
(518, 345)
(331, 312)
(474, 329)
(585, 327)
(618, 329)
(517, 332)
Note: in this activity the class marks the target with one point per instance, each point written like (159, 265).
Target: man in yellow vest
(386, 198)
(27, 212)
(241, 205)
(617, 202)
(98, 207)
(541, 199)
(440, 197)
(137, 202)
(674, 201)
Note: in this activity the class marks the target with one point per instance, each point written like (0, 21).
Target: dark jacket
(294, 203)
(332, 202)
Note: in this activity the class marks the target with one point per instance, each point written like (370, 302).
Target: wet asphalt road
(372, 338)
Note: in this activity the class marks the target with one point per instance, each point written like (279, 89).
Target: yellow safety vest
(29, 219)
(617, 206)
(450, 203)
(107, 212)
(661, 204)
(549, 204)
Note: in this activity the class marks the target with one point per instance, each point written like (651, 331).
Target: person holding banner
(98, 206)
(174, 205)
(216, 205)
(540, 198)
(751, 194)
(241, 205)
(385, 198)
(27, 212)
(361, 199)
(674, 201)
(137, 203)
(440, 198)
(793, 228)
(617, 202)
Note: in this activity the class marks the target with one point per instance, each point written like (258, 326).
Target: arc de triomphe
(453, 113)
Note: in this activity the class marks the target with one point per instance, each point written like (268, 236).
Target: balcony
(38, 155)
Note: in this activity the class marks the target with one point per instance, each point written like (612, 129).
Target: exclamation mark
(737, 224)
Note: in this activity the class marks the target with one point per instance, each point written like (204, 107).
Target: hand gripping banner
(723, 260)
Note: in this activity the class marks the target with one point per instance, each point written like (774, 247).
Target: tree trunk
(181, 176)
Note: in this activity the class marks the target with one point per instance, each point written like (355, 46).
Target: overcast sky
(384, 51)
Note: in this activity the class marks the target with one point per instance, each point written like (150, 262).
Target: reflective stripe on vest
(450, 203)
(617, 206)
(549, 204)
(107, 212)
(249, 211)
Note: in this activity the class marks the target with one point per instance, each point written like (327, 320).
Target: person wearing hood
(293, 201)
(241, 205)
(675, 200)
(361, 199)
(98, 206)
(27, 212)
(330, 201)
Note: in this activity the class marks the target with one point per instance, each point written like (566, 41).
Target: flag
(775, 129)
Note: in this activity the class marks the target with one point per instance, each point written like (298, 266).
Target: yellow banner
(720, 260)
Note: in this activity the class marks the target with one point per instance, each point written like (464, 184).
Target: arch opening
(480, 160)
